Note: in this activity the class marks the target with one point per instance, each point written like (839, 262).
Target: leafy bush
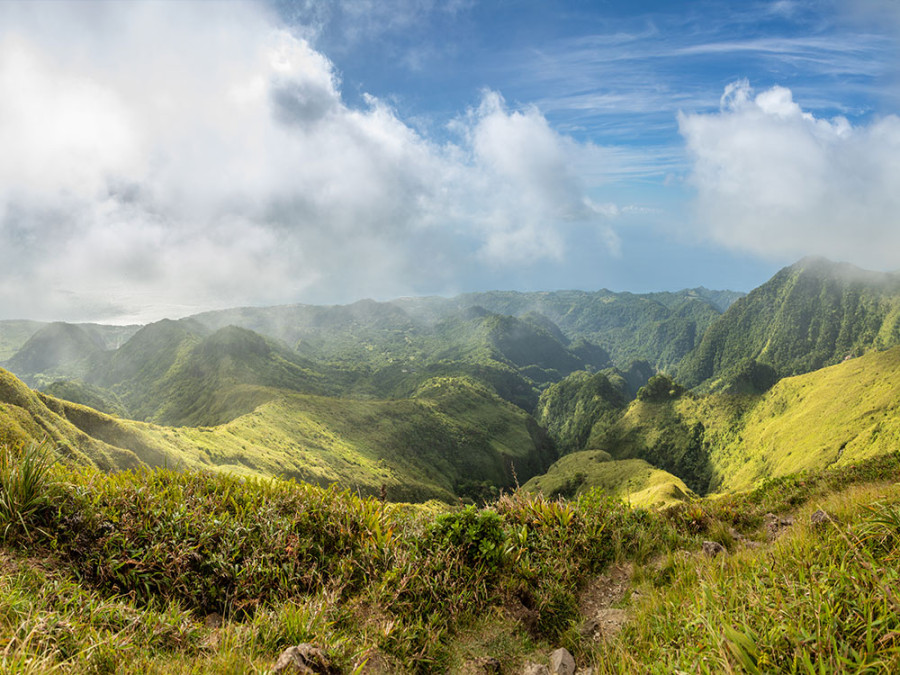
(659, 389)
(25, 488)
(477, 535)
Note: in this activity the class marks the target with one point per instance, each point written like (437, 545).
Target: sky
(158, 159)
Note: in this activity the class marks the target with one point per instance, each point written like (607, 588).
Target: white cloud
(185, 155)
(522, 177)
(775, 180)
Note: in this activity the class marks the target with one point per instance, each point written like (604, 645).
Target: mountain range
(654, 396)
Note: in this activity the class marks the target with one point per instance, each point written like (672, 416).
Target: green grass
(822, 599)
(124, 571)
(136, 561)
(23, 487)
(722, 443)
(660, 433)
(838, 415)
(422, 448)
(634, 480)
(452, 435)
(77, 391)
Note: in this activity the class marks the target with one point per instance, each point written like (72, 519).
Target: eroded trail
(601, 619)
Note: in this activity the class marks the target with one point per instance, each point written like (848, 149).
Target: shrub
(25, 488)
(477, 534)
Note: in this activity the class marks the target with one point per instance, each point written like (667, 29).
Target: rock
(585, 671)
(561, 662)
(485, 664)
(820, 517)
(535, 669)
(713, 548)
(775, 526)
(304, 659)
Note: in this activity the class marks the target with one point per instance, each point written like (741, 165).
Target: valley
(448, 398)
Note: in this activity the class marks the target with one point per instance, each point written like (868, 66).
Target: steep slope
(570, 409)
(533, 345)
(14, 334)
(82, 393)
(29, 417)
(835, 416)
(54, 347)
(33, 348)
(809, 315)
(149, 354)
(721, 442)
(655, 428)
(452, 436)
(176, 373)
(198, 389)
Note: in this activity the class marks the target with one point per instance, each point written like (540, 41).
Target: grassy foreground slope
(170, 572)
(454, 437)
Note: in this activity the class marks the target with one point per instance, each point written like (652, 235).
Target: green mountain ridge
(55, 345)
(726, 442)
(809, 315)
(51, 349)
(656, 327)
(14, 334)
(454, 437)
(205, 377)
(179, 372)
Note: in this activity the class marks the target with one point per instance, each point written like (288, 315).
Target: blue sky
(165, 158)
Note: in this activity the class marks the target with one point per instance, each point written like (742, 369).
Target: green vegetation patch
(812, 314)
(454, 434)
(823, 598)
(838, 415)
(634, 480)
(162, 572)
(322, 564)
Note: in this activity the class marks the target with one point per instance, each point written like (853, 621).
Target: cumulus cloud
(522, 179)
(777, 181)
(161, 158)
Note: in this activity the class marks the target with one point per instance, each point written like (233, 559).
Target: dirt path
(601, 620)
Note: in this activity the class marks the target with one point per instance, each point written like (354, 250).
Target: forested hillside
(812, 314)
(310, 392)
